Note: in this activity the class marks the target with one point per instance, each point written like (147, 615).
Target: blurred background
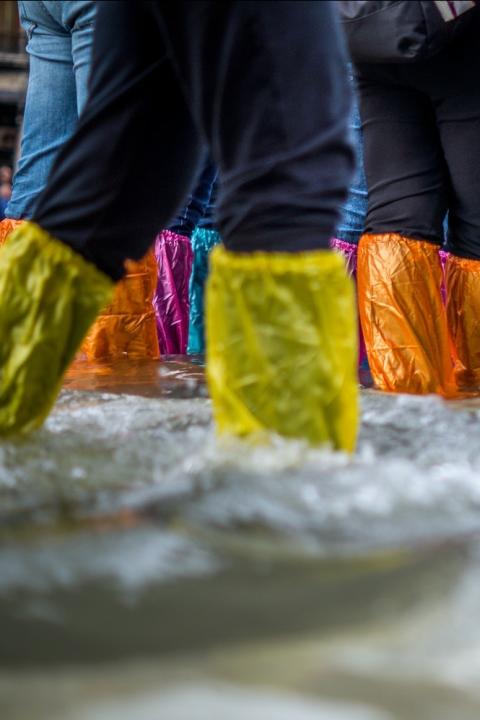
(13, 81)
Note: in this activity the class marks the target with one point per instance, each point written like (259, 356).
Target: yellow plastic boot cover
(127, 327)
(403, 316)
(282, 346)
(463, 313)
(49, 296)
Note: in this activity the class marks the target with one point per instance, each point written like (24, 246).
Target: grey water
(149, 569)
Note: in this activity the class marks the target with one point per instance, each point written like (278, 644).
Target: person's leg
(204, 239)
(78, 18)
(354, 211)
(457, 103)
(173, 255)
(50, 295)
(284, 162)
(127, 327)
(197, 203)
(399, 273)
(129, 165)
(280, 328)
(50, 109)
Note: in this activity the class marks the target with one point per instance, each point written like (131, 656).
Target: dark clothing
(421, 132)
(263, 85)
(199, 206)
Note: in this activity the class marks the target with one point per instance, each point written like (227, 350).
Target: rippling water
(148, 569)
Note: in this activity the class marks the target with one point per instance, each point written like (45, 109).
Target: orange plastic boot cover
(127, 327)
(463, 313)
(402, 314)
(7, 226)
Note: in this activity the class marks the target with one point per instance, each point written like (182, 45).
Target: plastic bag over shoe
(49, 297)
(282, 346)
(403, 316)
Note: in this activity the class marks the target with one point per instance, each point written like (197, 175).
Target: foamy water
(128, 530)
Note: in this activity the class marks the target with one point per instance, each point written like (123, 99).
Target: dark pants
(421, 132)
(261, 85)
(199, 206)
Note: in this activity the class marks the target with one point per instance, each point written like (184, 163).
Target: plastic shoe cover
(349, 252)
(403, 316)
(174, 258)
(463, 313)
(49, 296)
(127, 327)
(203, 240)
(282, 345)
(7, 226)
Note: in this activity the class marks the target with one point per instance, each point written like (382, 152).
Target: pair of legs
(421, 130)
(170, 78)
(263, 86)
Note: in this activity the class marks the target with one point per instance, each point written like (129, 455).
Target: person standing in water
(421, 130)
(264, 86)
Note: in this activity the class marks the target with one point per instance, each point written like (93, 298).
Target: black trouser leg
(421, 127)
(262, 84)
(131, 160)
(404, 166)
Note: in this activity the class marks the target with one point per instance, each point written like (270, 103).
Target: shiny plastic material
(443, 255)
(126, 328)
(403, 316)
(203, 240)
(463, 313)
(49, 296)
(7, 226)
(349, 252)
(174, 258)
(282, 346)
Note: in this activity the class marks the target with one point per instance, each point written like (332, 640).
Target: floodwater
(150, 571)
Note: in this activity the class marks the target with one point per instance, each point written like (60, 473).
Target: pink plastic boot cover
(174, 258)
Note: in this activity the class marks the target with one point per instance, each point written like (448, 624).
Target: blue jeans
(60, 36)
(199, 208)
(354, 211)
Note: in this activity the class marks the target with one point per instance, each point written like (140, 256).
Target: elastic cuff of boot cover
(282, 345)
(7, 226)
(174, 257)
(349, 252)
(169, 236)
(463, 312)
(50, 296)
(403, 316)
(203, 240)
(127, 327)
(342, 245)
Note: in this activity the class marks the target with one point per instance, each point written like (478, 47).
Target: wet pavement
(149, 569)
